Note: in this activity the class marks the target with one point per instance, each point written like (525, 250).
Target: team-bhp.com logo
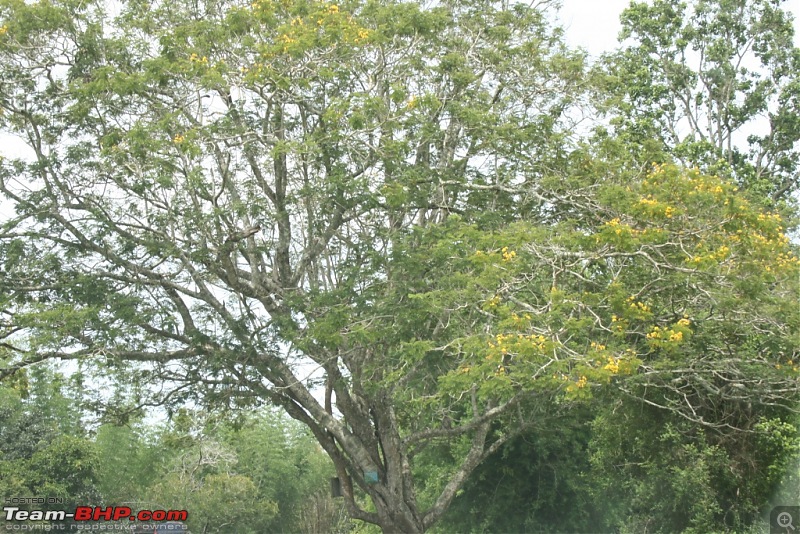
(94, 513)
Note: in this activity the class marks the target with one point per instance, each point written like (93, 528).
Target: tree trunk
(397, 518)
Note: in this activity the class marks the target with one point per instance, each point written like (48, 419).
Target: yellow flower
(3, 29)
(655, 334)
(178, 139)
(676, 336)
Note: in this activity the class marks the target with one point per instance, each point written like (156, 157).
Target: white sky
(592, 24)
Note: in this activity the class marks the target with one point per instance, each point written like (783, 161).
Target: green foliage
(637, 283)
(698, 76)
(217, 502)
(253, 476)
(682, 478)
(284, 462)
(42, 450)
(130, 461)
(538, 482)
(676, 290)
(227, 203)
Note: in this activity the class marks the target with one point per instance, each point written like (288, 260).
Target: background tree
(716, 81)
(44, 452)
(214, 466)
(655, 472)
(131, 458)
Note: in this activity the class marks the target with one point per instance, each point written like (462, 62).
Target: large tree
(256, 201)
(212, 189)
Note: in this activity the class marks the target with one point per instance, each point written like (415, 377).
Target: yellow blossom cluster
(508, 255)
(254, 69)
(621, 363)
(786, 259)
(659, 336)
(769, 217)
(655, 334)
(612, 365)
(194, 58)
(361, 35)
(718, 255)
(178, 139)
(494, 301)
(639, 307)
(3, 29)
(515, 343)
(655, 170)
(617, 227)
(702, 186)
(791, 364)
(615, 224)
(517, 319)
(581, 383)
(761, 239)
(654, 207)
(625, 230)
